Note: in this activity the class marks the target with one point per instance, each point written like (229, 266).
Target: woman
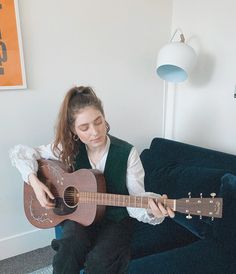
(82, 141)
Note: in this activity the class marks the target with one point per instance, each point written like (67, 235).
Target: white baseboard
(25, 242)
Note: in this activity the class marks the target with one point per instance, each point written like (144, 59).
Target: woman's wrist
(32, 179)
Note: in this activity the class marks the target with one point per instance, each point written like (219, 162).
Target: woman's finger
(170, 212)
(49, 193)
(162, 209)
(154, 208)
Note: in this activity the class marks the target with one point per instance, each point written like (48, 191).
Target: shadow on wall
(204, 130)
(203, 71)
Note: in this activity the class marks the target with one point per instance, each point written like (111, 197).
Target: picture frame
(12, 68)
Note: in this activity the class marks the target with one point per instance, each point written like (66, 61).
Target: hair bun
(83, 90)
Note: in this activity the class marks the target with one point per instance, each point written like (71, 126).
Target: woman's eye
(98, 122)
(83, 128)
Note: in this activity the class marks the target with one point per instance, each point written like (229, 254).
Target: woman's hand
(41, 191)
(158, 210)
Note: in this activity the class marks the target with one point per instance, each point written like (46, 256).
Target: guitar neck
(209, 207)
(121, 200)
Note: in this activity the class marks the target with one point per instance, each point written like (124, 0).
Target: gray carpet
(45, 270)
(29, 262)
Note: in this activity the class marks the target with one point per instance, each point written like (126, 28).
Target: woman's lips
(96, 140)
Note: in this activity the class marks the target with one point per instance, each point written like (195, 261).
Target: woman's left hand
(158, 209)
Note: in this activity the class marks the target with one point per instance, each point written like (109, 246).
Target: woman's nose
(94, 130)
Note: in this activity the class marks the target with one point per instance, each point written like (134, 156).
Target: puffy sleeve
(135, 186)
(24, 158)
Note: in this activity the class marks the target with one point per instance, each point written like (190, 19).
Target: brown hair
(76, 99)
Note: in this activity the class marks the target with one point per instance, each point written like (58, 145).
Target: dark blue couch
(179, 245)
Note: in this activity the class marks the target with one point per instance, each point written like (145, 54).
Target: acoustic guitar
(81, 196)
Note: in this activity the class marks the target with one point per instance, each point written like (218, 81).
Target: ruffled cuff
(145, 215)
(24, 158)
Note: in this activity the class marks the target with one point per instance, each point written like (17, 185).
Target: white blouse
(25, 158)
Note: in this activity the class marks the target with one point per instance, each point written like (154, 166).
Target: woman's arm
(24, 158)
(135, 185)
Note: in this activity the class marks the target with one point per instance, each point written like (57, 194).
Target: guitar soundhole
(71, 196)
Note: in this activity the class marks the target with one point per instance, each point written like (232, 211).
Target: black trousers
(102, 248)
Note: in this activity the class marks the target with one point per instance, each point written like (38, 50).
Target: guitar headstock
(209, 207)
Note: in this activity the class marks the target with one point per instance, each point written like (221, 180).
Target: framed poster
(12, 71)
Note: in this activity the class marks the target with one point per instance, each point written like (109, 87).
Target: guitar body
(66, 188)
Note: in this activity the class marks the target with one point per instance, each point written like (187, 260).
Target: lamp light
(176, 60)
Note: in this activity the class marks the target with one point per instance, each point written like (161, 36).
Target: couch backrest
(163, 152)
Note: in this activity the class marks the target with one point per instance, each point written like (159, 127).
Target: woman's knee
(107, 262)
(70, 255)
(96, 264)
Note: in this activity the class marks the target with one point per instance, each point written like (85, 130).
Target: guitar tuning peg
(200, 217)
(189, 217)
(201, 195)
(212, 218)
(213, 195)
(189, 195)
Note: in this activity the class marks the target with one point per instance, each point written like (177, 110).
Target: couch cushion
(200, 257)
(177, 181)
(149, 239)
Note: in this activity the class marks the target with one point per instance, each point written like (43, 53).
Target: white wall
(110, 45)
(205, 108)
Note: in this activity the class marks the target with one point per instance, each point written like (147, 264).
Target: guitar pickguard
(61, 208)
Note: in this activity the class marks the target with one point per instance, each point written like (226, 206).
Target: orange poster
(12, 74)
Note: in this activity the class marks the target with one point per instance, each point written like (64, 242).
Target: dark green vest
(115, 172)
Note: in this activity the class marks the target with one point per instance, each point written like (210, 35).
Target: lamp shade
(175, 61)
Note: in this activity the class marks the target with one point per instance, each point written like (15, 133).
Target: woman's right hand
(41, 191)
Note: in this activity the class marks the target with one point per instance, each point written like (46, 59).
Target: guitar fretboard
(120, 200)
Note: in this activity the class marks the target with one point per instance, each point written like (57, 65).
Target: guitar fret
(113, 199)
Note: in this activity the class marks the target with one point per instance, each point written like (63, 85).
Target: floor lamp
(174, 63)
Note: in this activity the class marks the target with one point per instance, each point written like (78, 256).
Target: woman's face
(90, 126)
